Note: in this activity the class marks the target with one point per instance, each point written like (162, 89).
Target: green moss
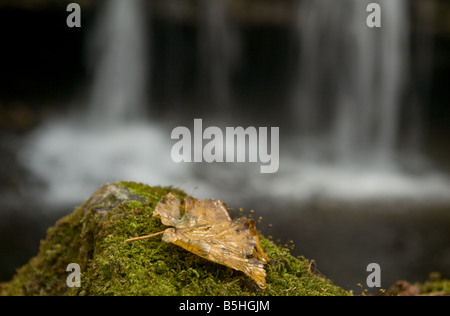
(94, 236)
(153, 194)
(435, 285)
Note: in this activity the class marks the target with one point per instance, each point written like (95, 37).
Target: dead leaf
(205, 228)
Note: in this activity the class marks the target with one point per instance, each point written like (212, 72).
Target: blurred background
(363, 116)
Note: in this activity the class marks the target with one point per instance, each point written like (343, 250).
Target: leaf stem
(145, 237)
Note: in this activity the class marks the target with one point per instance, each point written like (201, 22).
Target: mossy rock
(94, 235)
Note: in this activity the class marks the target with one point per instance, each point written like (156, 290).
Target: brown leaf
(204, 227)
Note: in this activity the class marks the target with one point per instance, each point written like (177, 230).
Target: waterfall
(351, 77)
(347, 102)
(218, 54)
(118, 55)
(110, 140)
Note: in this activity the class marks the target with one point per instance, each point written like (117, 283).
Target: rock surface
(94, 235)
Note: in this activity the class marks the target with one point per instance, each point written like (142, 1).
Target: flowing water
(346, 107)
(113, 137)
(351, 77)
(118, 55)
(347, 104)
(218, 52)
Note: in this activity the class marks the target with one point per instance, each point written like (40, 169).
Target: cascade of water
(351, 81)
(111, 141)
(218, 52)
(351, 77)
(119, 60)
(347, 103)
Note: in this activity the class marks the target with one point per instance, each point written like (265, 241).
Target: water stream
(346, 107)
(351, 77)
(112, 138)
(347, 104)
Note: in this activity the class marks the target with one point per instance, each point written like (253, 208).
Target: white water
(218, 51)
(351, 77)
(347, 105)
(118, 54)
(345, 146)
(112, 139)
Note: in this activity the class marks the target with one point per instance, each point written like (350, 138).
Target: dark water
(408, 242)
(20, 235)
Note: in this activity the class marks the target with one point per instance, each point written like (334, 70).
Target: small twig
(312, 265)
(145, 237)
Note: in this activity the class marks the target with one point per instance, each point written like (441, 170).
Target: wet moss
(436, 285)
(94, 237)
